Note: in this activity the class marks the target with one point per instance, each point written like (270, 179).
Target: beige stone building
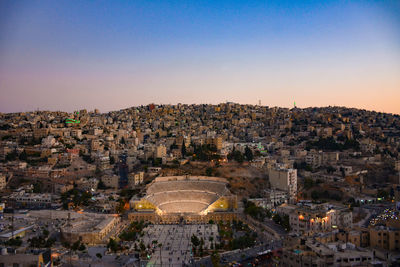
(3, 181)
(284, 179)
(111, 181)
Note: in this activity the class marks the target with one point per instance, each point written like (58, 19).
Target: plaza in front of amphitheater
(179, 207)
(176, 246)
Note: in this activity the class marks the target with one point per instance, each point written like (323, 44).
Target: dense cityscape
(200, 185)
(199, 133)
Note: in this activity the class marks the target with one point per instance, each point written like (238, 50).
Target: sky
(110, 55)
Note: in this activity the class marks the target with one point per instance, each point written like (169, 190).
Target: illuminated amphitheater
(185, 199)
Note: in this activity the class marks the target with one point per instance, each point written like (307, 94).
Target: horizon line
(198, 104)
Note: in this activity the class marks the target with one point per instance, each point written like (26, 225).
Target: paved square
(176, 241)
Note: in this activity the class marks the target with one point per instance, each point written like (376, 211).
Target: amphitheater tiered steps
(180, 194)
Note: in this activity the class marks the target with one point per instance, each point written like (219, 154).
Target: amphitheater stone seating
(181, 195)
(183, 207)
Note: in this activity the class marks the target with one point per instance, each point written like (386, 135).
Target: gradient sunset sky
(110, 55)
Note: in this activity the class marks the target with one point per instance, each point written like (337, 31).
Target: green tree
(101, 185)
(82, 247)
(23, 156)
(315, 195)
(112, 245)
(38, 187)
(195, 240)
(248, 154)
(238, 156)
(14, 242)
(11, 156)
(215, 258)
(209, 171)
(308, 183)
(183, 150)
(382, 194)
(76, 245)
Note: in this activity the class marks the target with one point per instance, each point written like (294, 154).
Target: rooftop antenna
(259, 102)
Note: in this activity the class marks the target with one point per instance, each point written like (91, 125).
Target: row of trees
(258, 213)
(331, 144)
(239, 157)
(134, 230)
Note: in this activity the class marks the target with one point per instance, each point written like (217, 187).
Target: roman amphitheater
(185, 199)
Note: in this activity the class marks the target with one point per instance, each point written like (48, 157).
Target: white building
(48, 141)
(29, 200)
(318, 158)
(272, 199)
(316, 217)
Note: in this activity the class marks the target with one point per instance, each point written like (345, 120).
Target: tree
(330, 169)
(23, 156)
(98, 255)
(76, 245)
(11, 156)
(248, 154)
(238, 156)
(98, 171)
(215, 259)
(209, 171)
(37, 187)
(101, 185)
(308, 183)
(195, 240)
(183, 150)
(112, 245)
(315, 195)
(382, 194)
(14, 242)
(82, 247)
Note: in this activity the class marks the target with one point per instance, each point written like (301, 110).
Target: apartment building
(316, 217)
(284, 179)
(135, 179)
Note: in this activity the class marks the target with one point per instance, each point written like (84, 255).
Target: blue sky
(67, 55)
